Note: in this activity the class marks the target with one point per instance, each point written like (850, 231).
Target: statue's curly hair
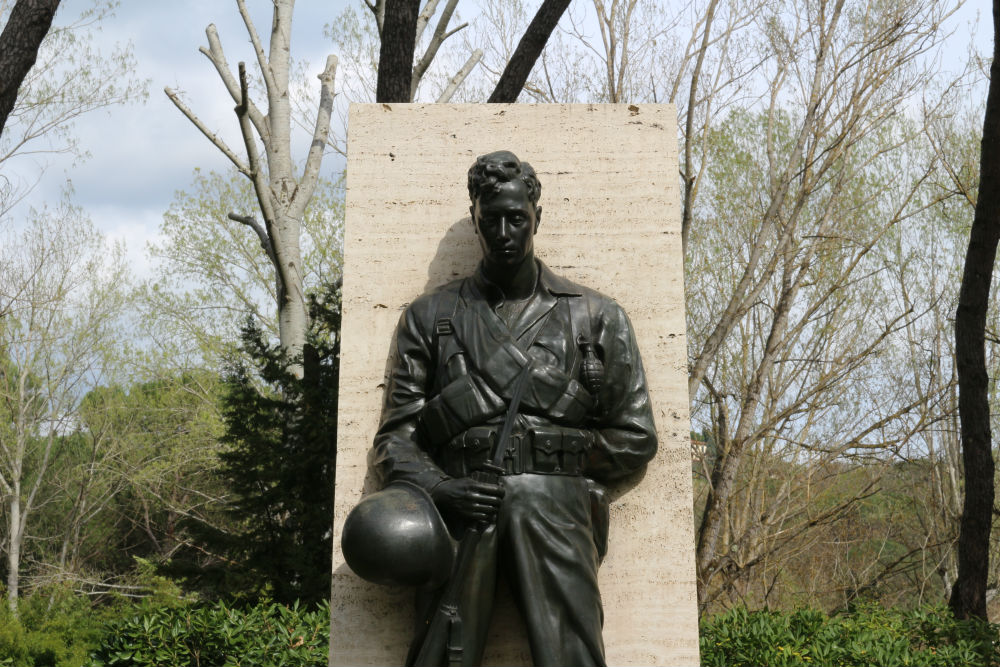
(492, 169)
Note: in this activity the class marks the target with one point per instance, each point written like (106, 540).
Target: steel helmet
(396, 536)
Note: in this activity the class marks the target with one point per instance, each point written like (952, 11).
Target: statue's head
(505, 211)
(490, 171)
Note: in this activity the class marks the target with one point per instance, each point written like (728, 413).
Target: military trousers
(543, 541)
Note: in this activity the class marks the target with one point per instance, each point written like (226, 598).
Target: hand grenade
(592, 370)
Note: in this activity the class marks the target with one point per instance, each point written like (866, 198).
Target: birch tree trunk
(282, 194)
(14, 534)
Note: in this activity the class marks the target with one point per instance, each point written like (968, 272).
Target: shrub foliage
(54, 628)
(869, 635)
(62, 630)
(219, 635)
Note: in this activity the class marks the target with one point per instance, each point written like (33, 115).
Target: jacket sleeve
(398, 451)
(624, 432)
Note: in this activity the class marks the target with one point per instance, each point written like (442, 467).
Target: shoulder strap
(443, 327)
(580, 320)
(508, 421)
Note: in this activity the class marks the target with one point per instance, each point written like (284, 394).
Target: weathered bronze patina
(511, 396)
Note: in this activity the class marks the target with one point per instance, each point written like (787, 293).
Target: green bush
(868, 635)
(217, 635)
(53, 628)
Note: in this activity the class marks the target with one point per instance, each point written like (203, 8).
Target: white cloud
(134, 228)
(142, 154)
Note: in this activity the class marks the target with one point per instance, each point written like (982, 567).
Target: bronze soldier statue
(511, 396)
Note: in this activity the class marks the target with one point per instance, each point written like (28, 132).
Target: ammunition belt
(550, 450)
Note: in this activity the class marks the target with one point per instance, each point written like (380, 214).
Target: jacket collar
(545, 297)
(547, 280)
(555, 284)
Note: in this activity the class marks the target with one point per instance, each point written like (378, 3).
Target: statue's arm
(624, 432)
(398, 450)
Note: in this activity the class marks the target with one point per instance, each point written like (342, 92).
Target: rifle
(443, 636)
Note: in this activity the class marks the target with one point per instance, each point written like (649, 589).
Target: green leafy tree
(211, 273)
(168, 433)
(61, 291)
(139, 458)
(63, 298)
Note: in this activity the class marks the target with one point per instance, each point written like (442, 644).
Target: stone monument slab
(611, 222)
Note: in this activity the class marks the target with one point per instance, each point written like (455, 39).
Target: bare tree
(860, 66)
(968, 597)
(536, 35)
(923, 261)
(397, 30)
(282, 193)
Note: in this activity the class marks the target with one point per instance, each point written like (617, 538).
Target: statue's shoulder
(588, 307)
(562, 286)
(437, 302)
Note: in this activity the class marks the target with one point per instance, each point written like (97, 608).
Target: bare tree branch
(256, 174)
(218, 58)
(378, 10)
(310, 174)
(265, 67)
(440, 34)
(27, 26)
(424, 18)
(459, 77)
(528, 49)
(212, 136)
(688, 171)
(265, 241)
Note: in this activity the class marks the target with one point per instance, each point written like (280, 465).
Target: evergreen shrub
(217, 635)
(867, 635)
(272, 538)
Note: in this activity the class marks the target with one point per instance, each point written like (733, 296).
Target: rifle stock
(443, 635)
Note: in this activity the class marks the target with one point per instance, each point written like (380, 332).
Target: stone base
(611, 221)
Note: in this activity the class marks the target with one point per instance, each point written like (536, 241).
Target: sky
(141, 154)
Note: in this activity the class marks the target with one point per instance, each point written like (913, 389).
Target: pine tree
(279, 468)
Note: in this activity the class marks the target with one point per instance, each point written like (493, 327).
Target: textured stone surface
(611, 221)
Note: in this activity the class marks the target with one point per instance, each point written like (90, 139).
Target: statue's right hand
(467, 498)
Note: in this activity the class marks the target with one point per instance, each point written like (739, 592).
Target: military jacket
(454, 363)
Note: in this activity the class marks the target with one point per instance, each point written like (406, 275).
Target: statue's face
(506, 223)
